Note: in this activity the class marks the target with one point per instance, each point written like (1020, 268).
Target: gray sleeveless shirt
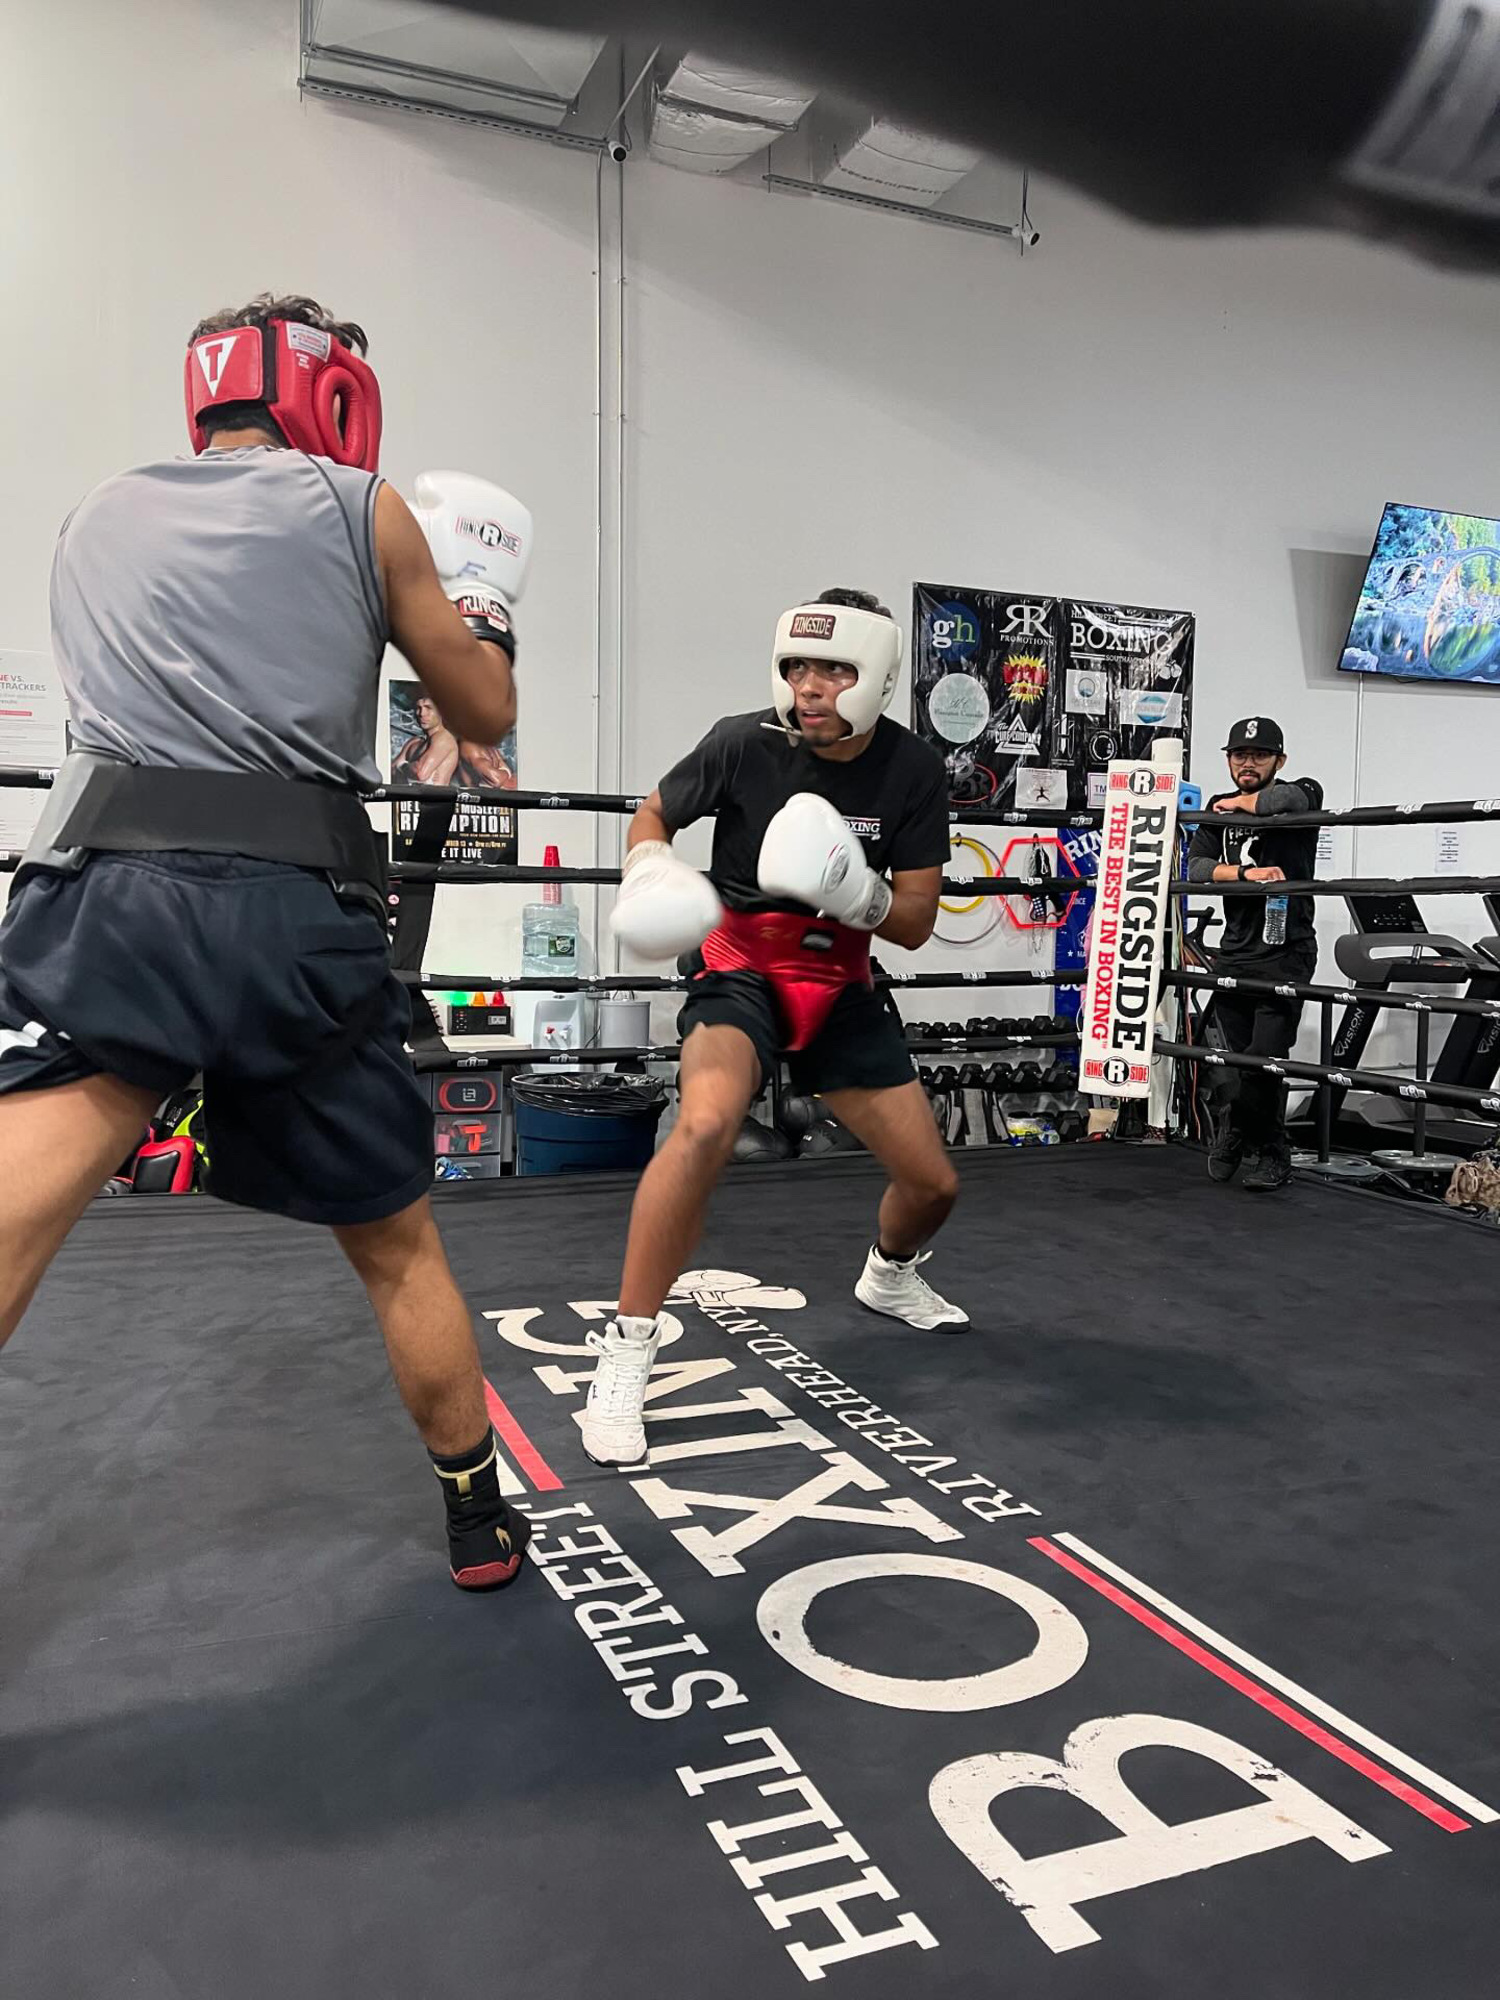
(225, 613)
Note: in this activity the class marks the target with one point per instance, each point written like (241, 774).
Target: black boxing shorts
(161, 967)
(860, 1046)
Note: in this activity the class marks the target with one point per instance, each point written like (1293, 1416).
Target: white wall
(160, 163)
(1211, 423)
(813, 394)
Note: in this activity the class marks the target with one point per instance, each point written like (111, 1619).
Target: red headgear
(321, 397)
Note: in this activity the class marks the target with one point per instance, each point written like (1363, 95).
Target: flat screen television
(1429, 607)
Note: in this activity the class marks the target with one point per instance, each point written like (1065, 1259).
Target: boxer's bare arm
(650, 824)
(913, 911)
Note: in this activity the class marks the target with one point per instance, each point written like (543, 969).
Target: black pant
(1259, 1024)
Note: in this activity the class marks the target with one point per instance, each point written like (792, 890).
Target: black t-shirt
(1293, 849)
(894, 795)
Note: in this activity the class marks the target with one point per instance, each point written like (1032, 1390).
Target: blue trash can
(568, 1122)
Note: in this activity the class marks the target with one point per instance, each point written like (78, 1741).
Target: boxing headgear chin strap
(865, 640)
(321, 397)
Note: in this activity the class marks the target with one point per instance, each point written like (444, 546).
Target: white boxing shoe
(894, 1286)
(614, 1421)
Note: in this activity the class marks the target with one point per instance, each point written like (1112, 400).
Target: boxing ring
(1136, 1643)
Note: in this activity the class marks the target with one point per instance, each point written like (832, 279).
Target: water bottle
(549, 932)
(1275, 926)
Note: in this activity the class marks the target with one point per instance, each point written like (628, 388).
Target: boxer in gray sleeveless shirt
(219, 623)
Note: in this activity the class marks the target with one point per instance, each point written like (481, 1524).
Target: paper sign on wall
(33, 736)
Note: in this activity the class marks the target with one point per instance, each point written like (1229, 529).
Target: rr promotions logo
(1026, 677)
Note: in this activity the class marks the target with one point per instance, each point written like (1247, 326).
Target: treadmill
(1392, 946)
(1471, 1053)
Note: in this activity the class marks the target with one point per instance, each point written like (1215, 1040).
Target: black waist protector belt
(98, 805)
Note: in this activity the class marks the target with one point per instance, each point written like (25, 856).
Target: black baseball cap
(1257, 732)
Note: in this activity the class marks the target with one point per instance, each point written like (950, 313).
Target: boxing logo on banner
(1135, 860)
(1003, 680)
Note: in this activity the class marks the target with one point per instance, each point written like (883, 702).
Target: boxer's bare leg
(898, 1127)
(429, 1335)
(900, 1130)
(57, 1149)
(429, 1338)
(719, 1077)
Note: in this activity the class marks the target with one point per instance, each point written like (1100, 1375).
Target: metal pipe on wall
(598, 607)
(609, 515)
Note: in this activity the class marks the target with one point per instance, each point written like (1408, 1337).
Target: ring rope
(1439, 811)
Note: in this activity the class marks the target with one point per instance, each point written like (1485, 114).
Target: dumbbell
(827, 1135)
(1065, 1024)
(758, 1142)
(797, 1116)
(1072, 1125)
(919, 1031)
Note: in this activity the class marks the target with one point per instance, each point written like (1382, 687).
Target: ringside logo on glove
(841, 884)
(461, 514)
(490, 533)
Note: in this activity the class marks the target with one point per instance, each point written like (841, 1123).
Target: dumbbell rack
(974, 1103)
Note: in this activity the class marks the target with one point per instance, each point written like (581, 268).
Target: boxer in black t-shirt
(816, 800)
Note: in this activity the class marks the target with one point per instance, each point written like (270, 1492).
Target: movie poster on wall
(425, 751)
(986, 689)
(1029, 698)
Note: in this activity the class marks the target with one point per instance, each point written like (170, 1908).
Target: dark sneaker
(1272, 1170)
(486, 1554)
(1227, 1152)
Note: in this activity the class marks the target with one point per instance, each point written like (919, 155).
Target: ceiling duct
(892, 163)
(439, 58)
(710, 117)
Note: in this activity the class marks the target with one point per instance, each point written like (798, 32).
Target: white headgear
(868, 641)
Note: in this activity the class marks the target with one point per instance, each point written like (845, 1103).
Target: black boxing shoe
(487, 1554)
(486, 1539)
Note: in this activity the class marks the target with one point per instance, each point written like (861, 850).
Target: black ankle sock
(469, 1479)
(886, 1256)
(466, 1461)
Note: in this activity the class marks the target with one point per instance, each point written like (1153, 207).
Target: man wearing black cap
(1270, 937)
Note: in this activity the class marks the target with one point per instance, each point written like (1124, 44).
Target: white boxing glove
(664, 907)
(812, 855)
(479, 534)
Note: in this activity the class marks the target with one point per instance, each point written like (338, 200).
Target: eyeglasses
(795, 672)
